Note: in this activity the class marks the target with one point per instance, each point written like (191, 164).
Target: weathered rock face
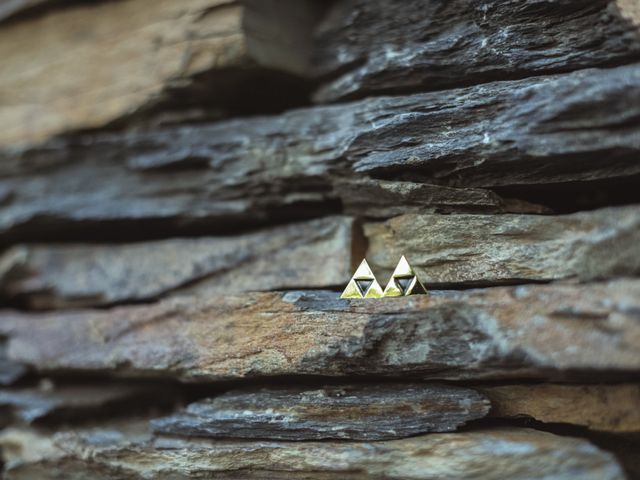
(312, 254)
(353, 412)
(424, 45)
(446, 250)
(156, 171)
(607, 408)
(374, 198)
(489, 249)
(518, 332)
(209, 51)
(514, 453)
(132, 53)
(267, 168)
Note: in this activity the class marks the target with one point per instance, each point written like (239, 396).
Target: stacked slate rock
(186, 187)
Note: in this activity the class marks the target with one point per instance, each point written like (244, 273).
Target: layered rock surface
(353, 412)
(198, 59)
(606, 408)
(445, 250)
(131, 53)
(520, 332)
(313, 254)
(109, 454)
(489, 249)
(252, 171)
(399, 46)
(154, 174)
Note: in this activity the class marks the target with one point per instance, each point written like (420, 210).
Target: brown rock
(385, 198)
(516, 454)
(132, 54)
(353, 412)
(569, 332)
(488, 249)
(607, 408)
(312, 254)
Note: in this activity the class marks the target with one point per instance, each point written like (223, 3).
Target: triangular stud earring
(363, 284)
(403, 281)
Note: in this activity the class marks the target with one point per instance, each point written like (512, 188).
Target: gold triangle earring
(403, 281)
(363, 284)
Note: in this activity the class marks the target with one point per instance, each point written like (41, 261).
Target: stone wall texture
(186, 186)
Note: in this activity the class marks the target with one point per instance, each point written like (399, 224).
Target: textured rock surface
(133, 54)
(375, 198)
(354, 412)
(312, 254)
(607, 408)
(154, 173)
(84, 402)
(381, 46)
(488, 249)
(136, 55)
(570, 332)
(539, 130)
(516, 454)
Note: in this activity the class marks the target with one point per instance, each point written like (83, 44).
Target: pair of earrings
(403, 282)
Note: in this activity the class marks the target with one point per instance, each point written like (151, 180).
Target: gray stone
(348, 412)
(263, 169)
(384, 46)
(313, 254)
(489, 249)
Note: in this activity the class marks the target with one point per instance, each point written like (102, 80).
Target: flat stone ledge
(567, 332)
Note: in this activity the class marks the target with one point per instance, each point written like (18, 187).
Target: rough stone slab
(130, 53)
(143, 62)
(516, 454)
(314, 254)
(381, 46)
(534, 131)
(489, 249)
(373, 198)
(569, 332)
(69, 403)
(348, 412)
(606, 408)
(156, 49)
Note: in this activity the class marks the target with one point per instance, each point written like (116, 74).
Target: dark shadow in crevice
(42, 8)
(572, 197)
(197, 389)
(554, 197)
(219, 95)
(48, 229)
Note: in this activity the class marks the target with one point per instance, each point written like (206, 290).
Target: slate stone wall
(186, 187)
